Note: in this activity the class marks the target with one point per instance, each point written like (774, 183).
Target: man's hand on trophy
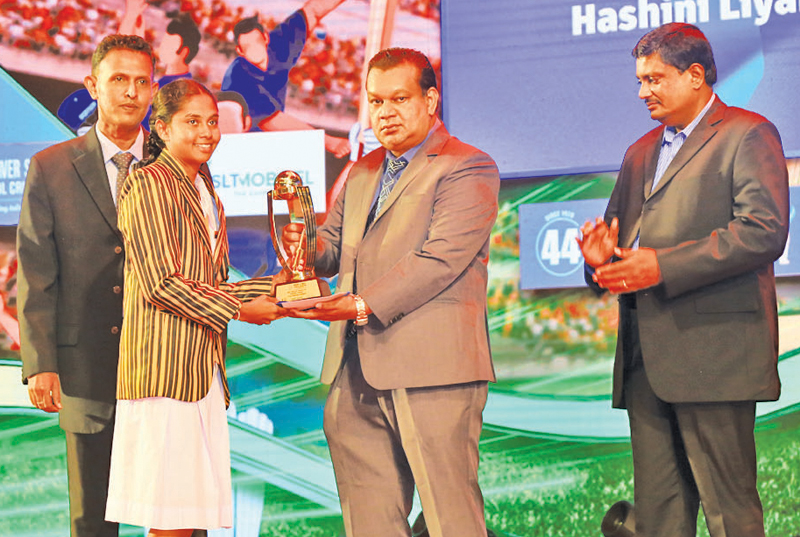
(261, 310)
(292, 238)
(285, 275)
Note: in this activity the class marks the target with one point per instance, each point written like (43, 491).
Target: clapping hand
(636, 269)
(598, 240)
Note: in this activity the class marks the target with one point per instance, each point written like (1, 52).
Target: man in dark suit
(71, 272)
(408, 355)
(697, 217)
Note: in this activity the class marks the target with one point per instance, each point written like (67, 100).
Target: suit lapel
(648, 169)
(651, 163)
(359, 199)
(705, 130)
(191, 199)
(91, 170)
(428, 151)
(359, 191)
(222, 236)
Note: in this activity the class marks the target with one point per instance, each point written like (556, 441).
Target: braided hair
(167, 102)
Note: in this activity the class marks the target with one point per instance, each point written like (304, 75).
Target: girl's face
(193, 133)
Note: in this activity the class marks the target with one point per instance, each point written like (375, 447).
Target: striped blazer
(177, 303)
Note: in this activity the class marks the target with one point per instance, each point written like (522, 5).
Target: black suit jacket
(717, 219)
(71, 280)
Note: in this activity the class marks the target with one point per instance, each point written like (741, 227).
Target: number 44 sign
(549, 256)
(556, 244)
(549, 253)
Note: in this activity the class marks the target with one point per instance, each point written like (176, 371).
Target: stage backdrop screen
(549, 87)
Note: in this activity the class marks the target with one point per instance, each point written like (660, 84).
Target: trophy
(303, 284)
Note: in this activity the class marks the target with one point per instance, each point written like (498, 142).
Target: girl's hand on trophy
(261, 310)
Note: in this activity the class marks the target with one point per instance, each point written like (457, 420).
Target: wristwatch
(361, 311)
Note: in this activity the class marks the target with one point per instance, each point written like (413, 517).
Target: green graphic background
(555, 456)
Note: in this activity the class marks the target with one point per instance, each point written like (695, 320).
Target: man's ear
(248, 123)
(90, 83)
(698, 74)
(432, 100)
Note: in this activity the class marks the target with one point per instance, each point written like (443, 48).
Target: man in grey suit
(71, 271)
(408, 348)
(697, 217)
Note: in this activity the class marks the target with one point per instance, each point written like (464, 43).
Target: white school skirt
(171, 464)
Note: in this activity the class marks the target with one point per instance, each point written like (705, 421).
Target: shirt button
(117, 289)
(115, 330)
(118, 249)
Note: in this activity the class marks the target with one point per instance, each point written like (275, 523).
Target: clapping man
(697, 217)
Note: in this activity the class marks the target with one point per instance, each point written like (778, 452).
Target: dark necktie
(393, 169)
(123, 162)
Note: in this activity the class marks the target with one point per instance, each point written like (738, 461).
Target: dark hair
(184, 26)
(121, 42)
(235, 97)
(245, 26)
(679, 45)
(392, 57)
(167, 102)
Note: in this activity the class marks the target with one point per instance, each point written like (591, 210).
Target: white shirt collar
(110, 149)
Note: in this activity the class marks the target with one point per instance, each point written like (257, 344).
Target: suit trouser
(383, 442)
(88, 464)
(686, 454)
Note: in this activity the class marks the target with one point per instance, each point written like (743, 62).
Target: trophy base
(311, 288)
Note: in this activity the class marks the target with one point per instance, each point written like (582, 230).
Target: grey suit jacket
(421, 266)
(70, 280)
(717, 219)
